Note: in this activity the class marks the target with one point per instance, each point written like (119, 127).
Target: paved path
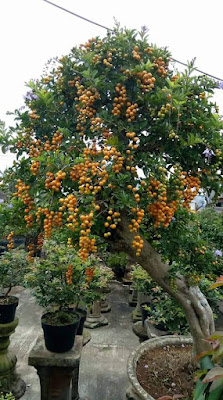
(104, 359)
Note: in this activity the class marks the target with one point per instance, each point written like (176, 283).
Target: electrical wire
(111, 30)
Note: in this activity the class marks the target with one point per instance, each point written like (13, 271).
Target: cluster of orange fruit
(161, 210)
(70, 202)
(113, 219)
(135, 223)
(89, 274)
(23, 194)
(35, 167)
(137, 244)
(131, 111)
(40, 241)
(86, 98)
(136, 53)
(10, 244)
(120, 101)
(30, 256)
(165, 109)
(54, 182)
(86, 244)
(69, 274)
(192, 185)
(146, 80)
(33, 115)
(96, 124)
(52, 219)
(161, 67)
(108, 61)
(37, 147)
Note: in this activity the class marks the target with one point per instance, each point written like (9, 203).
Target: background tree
(113, 143)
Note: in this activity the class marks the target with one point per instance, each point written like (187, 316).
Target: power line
(111, 30)
(77, 15)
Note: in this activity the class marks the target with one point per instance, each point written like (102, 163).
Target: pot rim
(140, 350)
(2, 296)
(68, 311)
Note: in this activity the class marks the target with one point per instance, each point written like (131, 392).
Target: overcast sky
(32, 31)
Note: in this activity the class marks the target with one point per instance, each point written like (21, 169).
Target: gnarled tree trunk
(197, 310)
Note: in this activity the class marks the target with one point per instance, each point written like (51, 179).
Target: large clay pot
(136, 391)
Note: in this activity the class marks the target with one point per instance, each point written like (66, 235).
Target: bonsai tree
(56, 279)
(13, 267)
(114, 144)
(97, 279)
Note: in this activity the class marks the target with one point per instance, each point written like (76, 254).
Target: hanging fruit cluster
(86, 243)
(69, 274)
(35, 167)
(70, 202)
(119, 101)
(146, 80)
(192, 185)
(161, 209)
(10, 244)
(112, 221)
(30, 256)
(54, 182)
(23, 194)
(51, 219)
(89, 272)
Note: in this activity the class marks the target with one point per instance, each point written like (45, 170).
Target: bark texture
(197, 310)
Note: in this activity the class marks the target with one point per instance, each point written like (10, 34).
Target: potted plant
(97, 278)
(13, 267)
(56, 281)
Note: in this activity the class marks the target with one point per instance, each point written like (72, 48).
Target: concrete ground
(104, 359)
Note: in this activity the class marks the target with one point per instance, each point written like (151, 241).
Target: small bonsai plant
(56, 281)
(163, 309)
(13, 267)
(97, 278)
(117, 262)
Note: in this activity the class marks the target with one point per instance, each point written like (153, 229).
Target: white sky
(32, 31)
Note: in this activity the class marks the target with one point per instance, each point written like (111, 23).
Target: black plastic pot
(60, 339)
(83, 315)
(8, 310)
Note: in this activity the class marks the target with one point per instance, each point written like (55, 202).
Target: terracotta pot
(136, 391)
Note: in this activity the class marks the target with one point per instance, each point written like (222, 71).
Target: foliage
(163, 309)
(211, 223)
(13, 267)
(209, 385)
(7, 396)
(99, 279)
(60, 278)
(117, 262)
(142, 280)
(111, 133)
(57, 278)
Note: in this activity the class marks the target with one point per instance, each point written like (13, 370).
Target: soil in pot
(8, 306)
(59, 330)
(167, 371)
